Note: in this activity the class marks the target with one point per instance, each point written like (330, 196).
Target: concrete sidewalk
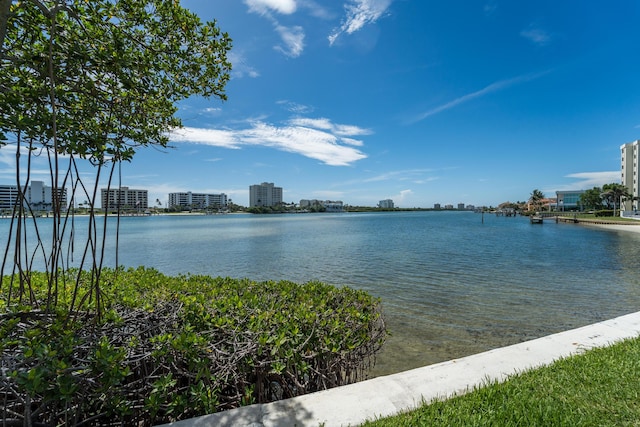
(355, 403)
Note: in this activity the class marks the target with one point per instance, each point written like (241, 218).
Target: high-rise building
(629, 170)
(37, 195)
(197, 200)
(265, 194)
(124, 198)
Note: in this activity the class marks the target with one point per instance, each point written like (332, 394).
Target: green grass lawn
(598, 388)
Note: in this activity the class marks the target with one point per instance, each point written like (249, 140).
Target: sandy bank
(632, 227)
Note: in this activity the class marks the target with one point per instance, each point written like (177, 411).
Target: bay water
(451, 283)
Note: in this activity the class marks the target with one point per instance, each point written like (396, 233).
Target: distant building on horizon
(124, 198)
(197, 200)
(328, 205)
(265, 194)
(37, 195)
(460, 206)
(436, 206)
(386, 204)
(629, 173)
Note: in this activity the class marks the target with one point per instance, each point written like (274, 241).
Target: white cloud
(490, 7)
(315, 9)
(401, 175)
(240, 66)
(326, 124)
(401, 198)
(354, 142)
(536, 36)
(360, 13)
(293, 39)
(493, 87)
(588, 180)
(314, 138)
(7, 158)
(285, 7)
(295, 107)
(328, 194)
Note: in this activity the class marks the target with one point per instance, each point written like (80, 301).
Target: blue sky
(476, 102)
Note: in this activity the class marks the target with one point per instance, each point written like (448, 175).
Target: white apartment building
(629, 169)
(124, 198)
(197, 200)
(265, 194)
(38, 195)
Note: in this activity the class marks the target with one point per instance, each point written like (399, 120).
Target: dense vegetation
(170, 348)
(597, 388)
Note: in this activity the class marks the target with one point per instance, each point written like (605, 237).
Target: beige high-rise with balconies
(629, 170)
(265, 194)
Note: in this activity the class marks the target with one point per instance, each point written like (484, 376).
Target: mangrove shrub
(169, 348)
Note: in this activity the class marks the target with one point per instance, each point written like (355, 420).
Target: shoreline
(634, 228)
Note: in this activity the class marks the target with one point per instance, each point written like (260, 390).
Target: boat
(536, 219)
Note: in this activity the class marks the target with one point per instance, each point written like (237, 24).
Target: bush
(171, 348)
(604, 212)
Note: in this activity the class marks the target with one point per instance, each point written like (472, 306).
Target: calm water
(450, 284)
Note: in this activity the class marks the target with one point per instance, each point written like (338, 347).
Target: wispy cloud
(359, 14)
(490, 7)
(493, 87)
(536, 35)
(294, 107)
(401, 175)
(240, 67)
(415, 176)
(318, 139)
(587, 180)
(285, 7)
(293, 39)
(328, 194)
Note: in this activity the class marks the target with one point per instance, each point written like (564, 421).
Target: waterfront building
(124, 198)
(333, 206)
(328, 205)
(567, 200)
(460, 206)
(629, 173)
(385, 204)
(197, 200)
(37, 195)
(437, 206)
(305, 203)
(265, 194)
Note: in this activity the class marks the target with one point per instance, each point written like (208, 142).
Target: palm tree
(536, 199)
(613, 194)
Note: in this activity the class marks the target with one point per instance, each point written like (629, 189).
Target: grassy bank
(598, 388)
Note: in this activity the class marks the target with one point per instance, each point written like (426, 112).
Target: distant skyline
(421, 102)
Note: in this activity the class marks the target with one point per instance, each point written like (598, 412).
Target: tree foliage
(95, 80)
(592, 199)
(612, 195)
(98, 79)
